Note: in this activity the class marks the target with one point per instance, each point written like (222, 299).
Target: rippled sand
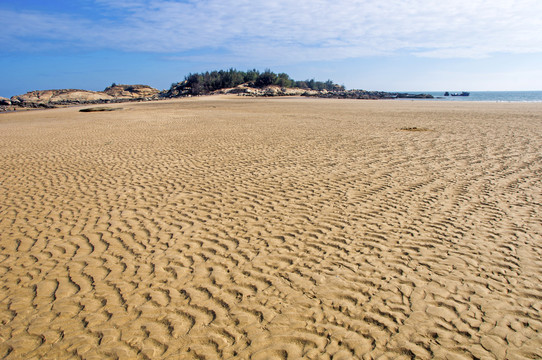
(272, 228)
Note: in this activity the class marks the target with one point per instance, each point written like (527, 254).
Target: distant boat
(446, 94)
(464, 93)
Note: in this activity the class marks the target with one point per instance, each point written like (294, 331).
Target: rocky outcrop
(131, 91)
(247, 89)
(62, 97)
(179, 89)
(414, 96)
(182, 89)
(59, 97)
(273, 90)
(364, 94)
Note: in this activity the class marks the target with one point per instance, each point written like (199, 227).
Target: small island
(243, 83)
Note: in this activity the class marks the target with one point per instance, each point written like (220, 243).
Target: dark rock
(15, 100)
(415, 96)
(365, 95)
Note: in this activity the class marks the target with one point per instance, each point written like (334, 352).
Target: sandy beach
(252, 228)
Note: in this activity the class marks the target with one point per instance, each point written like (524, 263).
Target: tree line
(204, 83)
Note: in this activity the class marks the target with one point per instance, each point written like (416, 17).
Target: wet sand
(227, 227)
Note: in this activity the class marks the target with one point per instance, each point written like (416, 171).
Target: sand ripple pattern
(272, 229)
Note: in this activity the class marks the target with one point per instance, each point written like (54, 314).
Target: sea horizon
(485, 96)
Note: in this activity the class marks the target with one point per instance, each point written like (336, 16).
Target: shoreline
(236, 96)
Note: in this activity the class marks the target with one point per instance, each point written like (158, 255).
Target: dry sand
(271, 228)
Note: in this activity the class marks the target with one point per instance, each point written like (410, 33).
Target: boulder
(15, 100)
(4, 101)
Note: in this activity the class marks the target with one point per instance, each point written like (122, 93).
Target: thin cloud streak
(289, 31)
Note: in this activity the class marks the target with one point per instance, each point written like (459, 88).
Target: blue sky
(389, 45)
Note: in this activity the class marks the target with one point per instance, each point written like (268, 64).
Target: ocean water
(490, 96)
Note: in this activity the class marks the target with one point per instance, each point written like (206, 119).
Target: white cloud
(289, 31)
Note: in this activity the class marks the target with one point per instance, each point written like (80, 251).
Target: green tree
(284, 80)
(204, 83)
(251, 75)
(266, 78)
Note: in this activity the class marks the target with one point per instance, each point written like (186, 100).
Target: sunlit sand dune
(227, 227)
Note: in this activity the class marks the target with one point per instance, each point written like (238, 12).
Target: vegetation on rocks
(208, 82)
